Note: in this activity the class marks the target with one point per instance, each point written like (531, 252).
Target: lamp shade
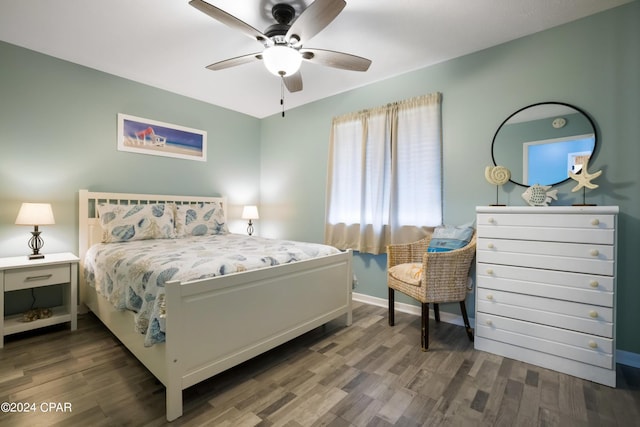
(250, 212)
(35, 214)
(282, 60)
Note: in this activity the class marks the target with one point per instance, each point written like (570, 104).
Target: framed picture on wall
(145, 136)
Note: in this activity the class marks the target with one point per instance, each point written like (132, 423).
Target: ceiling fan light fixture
(282, 60)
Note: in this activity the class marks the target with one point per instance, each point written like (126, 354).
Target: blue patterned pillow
(200, 219)
(125, 223)
(447, 238)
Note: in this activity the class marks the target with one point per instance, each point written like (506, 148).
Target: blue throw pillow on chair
(446, 238)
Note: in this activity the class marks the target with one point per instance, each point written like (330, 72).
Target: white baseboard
(412, 309)
(628, 358)
(622, 357)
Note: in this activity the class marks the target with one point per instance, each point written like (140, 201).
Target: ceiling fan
(283, 41)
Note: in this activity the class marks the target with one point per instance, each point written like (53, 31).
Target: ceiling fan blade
(335, 59)
(239, 60)
(228, 19)
(293, 83)
(314, 18)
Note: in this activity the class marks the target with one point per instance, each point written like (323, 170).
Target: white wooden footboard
(214, 324)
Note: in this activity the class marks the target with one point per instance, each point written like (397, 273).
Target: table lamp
(35, 214)
(250, 212)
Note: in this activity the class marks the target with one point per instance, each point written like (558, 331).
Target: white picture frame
(146, 136)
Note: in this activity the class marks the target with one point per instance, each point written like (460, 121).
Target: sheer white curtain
(384, 180)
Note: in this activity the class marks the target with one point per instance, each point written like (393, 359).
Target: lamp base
(36, 243)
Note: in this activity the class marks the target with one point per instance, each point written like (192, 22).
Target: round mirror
(541, 143)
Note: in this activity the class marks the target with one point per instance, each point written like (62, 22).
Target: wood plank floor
(368, 374)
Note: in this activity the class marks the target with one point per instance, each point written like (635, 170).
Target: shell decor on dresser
(497, 175)
(539, 195)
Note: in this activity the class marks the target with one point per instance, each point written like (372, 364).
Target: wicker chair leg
(424, 339)
(436, 311)
(392, 314)
(463, 309)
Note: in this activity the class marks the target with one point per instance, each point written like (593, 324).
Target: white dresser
(546, 287)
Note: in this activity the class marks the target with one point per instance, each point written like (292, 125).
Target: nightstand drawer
(33, 277)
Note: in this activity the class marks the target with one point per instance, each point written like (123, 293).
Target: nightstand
(18, 273)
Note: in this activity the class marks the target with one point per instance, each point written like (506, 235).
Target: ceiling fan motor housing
(283, 14)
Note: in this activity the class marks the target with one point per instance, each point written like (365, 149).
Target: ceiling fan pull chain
(282, 95)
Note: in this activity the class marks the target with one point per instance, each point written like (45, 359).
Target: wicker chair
(443, 279)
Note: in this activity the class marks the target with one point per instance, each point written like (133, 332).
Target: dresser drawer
(586, 318)
(575, 250)
(583, 221)
(575, 257)
(549, 234)
(584, 288)
(572, 345)
(32, 277)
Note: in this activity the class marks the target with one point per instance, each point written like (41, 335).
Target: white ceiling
(167, 43)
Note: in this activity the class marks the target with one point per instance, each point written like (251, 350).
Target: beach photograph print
(138, 135)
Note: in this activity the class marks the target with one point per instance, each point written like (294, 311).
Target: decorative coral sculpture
(497, 175)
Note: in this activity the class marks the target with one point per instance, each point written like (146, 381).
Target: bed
(215, 323)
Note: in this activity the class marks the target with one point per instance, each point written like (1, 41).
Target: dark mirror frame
(493, 142)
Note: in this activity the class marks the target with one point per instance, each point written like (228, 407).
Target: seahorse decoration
(497, 175)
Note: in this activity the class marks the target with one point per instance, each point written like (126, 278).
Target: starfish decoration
(584, 178)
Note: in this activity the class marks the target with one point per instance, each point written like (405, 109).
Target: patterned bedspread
(132, 275)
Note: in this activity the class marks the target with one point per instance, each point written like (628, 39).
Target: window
(385, 175)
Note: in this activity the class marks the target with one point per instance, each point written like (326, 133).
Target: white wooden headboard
(90, 232)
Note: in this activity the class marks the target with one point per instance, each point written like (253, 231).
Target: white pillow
(125, 223)
(200, 219)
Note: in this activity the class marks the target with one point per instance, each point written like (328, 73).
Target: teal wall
(593, 63)
(58, 134)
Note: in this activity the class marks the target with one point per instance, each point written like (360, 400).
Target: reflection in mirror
(541, 143)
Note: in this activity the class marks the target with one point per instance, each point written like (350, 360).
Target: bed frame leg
(173, 351)
(174, 403)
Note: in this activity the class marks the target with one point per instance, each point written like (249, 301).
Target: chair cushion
(410, 273)
(447, 238)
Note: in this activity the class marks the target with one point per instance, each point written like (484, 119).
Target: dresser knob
(593, 344)
(594, 283)
(593, 314)
(491, 220)
(489, 322)
(595, 221)
(490, 297)
(489, 270)
(490, 246)
(595, 252)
